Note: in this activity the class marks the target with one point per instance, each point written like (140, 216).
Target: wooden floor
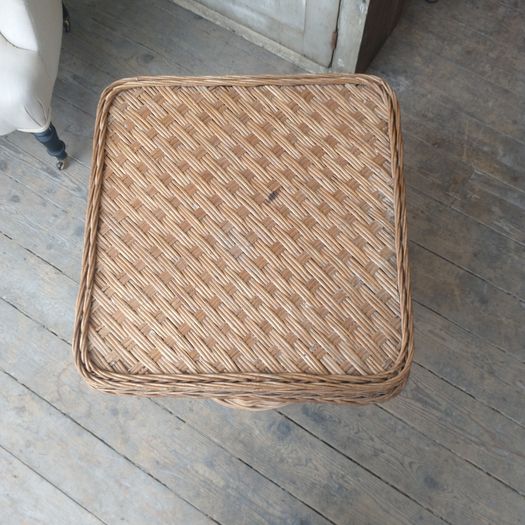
(450, 449)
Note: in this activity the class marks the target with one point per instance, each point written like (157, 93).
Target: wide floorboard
(448, 450)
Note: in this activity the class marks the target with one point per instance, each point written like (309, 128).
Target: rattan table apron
(246, 241)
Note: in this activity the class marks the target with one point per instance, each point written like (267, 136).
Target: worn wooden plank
(482, 196)
(446, 127)
(456, 86)
(441, 132)
(161, 445)
(34, 209)
(468, 300)
(106, 31)
(123, 56)
(463, 241)
(42, 291)
(55, 239)
(456, 146)
(454, 489)
(28, 499)
(461, 424)
(145, 52)
(192, 39)
(462, 43)
(80, 465)
(444, 122)
(492, 18)
(337, 486)
(453, 182)
(471, 363)
(430, 168)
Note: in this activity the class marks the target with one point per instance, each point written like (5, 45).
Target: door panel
(304, 26)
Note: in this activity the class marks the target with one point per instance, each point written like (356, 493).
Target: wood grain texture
(501, 64)
(42, 437)
(37, 207)
(468, 300)
(426, 65)
(468, 124)
(422, 469)
(460, 423)
(473, 431)
(296, 460)
(454, 182)
(491, 256)
(471, 363)
(31, 500)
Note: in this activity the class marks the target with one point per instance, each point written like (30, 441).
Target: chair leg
(55, 147)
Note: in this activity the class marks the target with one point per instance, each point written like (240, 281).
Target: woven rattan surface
(246, 241)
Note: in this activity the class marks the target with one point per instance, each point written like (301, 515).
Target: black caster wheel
(61, 164)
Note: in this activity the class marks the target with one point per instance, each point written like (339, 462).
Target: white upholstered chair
(30, 40)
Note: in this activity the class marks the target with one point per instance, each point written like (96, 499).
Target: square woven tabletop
(246, 241)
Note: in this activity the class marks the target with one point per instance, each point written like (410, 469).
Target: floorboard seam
(371, 472)
(36, 193)
(126, 458)
(494, 345)
(168, 59)
(461, 212)
(52, 484)
(449, 101)
(412, 19)
(466, 270)
(43, 197)
(478, 400)
(474, 170)
(220, 445)
(61, 272)
(459, 456)
(511, 187)
(34, 321)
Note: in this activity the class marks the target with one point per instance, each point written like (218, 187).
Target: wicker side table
(246, 241)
